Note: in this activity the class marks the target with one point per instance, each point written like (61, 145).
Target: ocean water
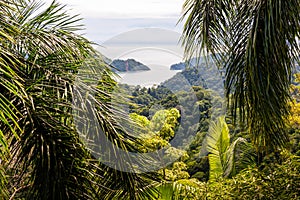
(155, 76)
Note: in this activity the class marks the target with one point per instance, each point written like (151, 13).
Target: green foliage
(177, 172)
(294, 118)
(274, 181)
(217, 143)
(183, 189)
(221, 153)
(188, 189)
(157, 132)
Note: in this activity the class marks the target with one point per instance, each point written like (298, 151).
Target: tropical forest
(225, 126)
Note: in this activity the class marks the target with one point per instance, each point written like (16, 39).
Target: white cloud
(125, 8)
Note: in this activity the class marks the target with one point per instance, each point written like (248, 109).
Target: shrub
(271, 181)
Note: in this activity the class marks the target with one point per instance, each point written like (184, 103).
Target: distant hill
(197, 73)
(128, 65)
(178, 66)
(193, 62)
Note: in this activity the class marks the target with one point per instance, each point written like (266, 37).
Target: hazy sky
(105, 19)
(126, 8)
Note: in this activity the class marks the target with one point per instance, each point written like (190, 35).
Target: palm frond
(221, 154)
(106, 137)
(49, 156)
(259, 69)
(259, 41)
(189, 189)
(206, 27)
(231, 159)
(216, 144)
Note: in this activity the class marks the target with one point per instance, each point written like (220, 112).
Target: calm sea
(155, 76)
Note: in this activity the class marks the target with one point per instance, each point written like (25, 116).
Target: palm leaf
(50, 158)
(231, 159)
(216, 144)
(10, 86)
(221, 154)
(259, 73)
(206, 27)
(259, 42)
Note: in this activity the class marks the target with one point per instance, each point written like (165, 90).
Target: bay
(155, 76)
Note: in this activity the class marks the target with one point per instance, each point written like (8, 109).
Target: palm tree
(44, 157)
(256, 41)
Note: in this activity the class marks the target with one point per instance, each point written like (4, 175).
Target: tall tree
(256, 41)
